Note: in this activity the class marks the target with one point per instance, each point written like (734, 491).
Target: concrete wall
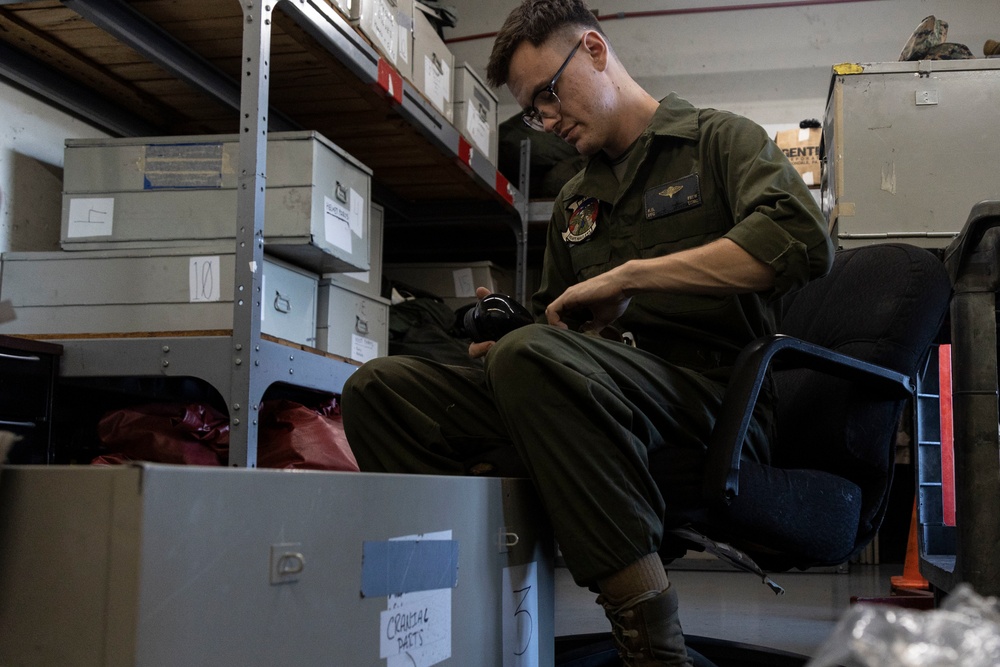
(31, 159)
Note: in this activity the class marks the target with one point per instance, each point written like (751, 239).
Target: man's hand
(604, 296)
(477, 350)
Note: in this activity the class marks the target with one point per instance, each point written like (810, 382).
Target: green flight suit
(584, 414)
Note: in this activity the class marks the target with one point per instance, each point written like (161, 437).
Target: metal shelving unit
(314, 38)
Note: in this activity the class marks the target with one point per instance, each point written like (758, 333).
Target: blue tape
(404, 566)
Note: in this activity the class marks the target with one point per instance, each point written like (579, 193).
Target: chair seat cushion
(809, 513)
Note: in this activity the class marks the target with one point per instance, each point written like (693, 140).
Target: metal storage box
(454, 282)
(351, 325)
(367, 282)
(175, 565)
(149, 290)
(908, 149)
(433, 64)
(389, 26)
(171, 191)
(476, 111)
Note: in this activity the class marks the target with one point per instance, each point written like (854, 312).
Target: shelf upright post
(247, 381)
(521, 233)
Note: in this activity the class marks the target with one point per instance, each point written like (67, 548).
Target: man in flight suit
(683, 228)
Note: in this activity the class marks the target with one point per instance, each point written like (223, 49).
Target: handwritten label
(520, 616)
(363, 349)
(431, 624)
(204, 279)
(90, 216)
(337, 224)
(465, 284)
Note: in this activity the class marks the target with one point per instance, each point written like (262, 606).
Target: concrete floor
(736, 606)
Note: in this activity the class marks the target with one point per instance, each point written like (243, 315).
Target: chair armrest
(721, 482)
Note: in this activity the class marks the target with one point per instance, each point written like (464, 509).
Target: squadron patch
(583, 221)
(673, 197)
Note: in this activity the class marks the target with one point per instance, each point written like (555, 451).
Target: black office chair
(843, 367)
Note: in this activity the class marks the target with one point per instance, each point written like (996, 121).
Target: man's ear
(597, 48)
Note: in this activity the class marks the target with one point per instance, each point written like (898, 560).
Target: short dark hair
(534, 21)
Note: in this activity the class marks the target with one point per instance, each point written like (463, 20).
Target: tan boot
(647, 630)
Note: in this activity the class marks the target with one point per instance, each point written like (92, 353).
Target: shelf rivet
(291, 371)
(165, 363)
(166, 348)
(291, 357)
(239, 362)
(239, 346)
(236, 422)
(236, 406)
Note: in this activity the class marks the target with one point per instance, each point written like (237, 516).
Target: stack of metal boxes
(148, 239)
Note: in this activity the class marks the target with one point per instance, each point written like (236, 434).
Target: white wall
(770, 64)
(31, 158)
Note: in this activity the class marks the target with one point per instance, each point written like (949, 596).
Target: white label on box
(803, 134)
(357, 214)
(405, 28)
(204, 279)
(436, 79)
(384, 27)
(363, 349)
(90, 217)
(479, 129)
(425, 612)
(520, 616)
(465, 283)
(337, 224)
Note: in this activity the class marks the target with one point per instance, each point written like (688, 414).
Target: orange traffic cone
(911, 578)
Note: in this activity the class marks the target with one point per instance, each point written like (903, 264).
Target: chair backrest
(883, 304)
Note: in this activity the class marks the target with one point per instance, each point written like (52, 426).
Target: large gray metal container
(174, 565)
(170, 191)
(910, 148)
(367, 282)
(350, 324)
(150, 290)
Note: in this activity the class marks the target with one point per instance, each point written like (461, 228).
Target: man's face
(577, 119)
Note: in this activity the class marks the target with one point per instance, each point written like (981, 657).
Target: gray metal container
(908, 149)
(351, 325)
(176, 565)
(367, 282)
(149, 290)
(171, 191)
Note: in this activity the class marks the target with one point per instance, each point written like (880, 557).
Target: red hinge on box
(390, 80)
(505, 189)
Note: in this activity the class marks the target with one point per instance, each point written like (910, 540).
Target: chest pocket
(589, 258)
(686, 229)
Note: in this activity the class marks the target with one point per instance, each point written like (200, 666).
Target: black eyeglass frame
(531, 116)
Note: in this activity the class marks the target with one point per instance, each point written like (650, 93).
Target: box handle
(360, 325)
(341, 193)
(282, 304)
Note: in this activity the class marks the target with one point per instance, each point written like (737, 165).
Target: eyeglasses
(545, 103)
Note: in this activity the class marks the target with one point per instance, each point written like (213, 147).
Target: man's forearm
(720, 267)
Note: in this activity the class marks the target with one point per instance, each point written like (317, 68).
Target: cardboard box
(454, 282)
(389, 26)
(801, 146)
(476, 111)
(146, 192)
(433, 64)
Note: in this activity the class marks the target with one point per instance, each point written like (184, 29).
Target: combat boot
(647, 630)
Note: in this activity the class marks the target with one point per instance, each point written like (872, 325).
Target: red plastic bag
(292, 435)
(192, 434)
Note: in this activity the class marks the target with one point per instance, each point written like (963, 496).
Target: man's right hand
(477, 350)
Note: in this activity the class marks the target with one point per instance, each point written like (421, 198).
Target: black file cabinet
(28, 371)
